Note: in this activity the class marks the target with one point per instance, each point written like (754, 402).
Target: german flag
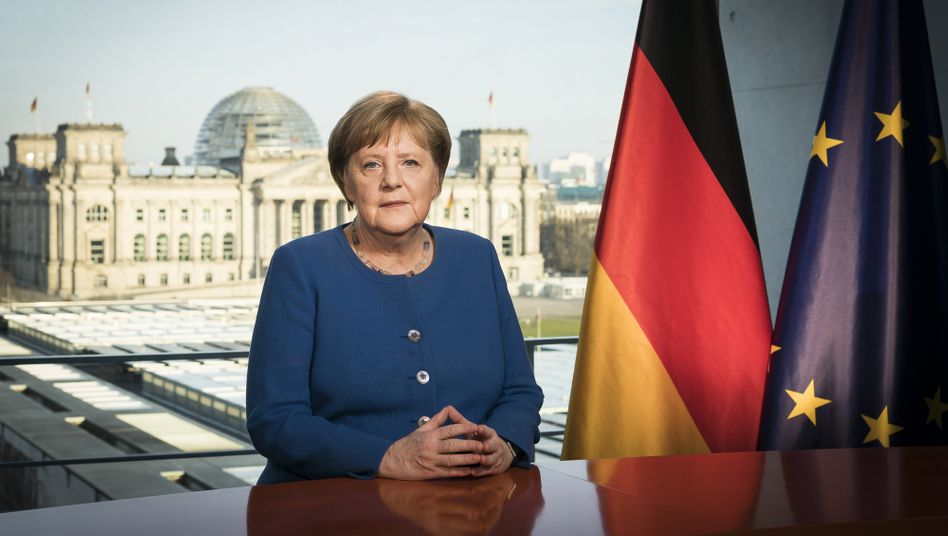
(675, 336)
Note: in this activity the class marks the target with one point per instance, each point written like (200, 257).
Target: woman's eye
(371, 165)
(411, 163)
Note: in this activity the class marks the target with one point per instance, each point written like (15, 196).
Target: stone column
(279, 227)
(67, 264)
(52, 244)
(151, 241)
(306, 217)
(286, 222)
(217, 240)
(173, 217)
(319, 212)
(271, 226)
(119, 240)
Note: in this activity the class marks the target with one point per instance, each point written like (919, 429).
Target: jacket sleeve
(516, 414)
(279, 417)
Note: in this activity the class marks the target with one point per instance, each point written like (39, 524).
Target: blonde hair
(374, 118)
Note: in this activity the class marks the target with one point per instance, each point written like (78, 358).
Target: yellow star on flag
(822, 145)
(774, 349)
(936, 407)
(806, 403)
(880, 429)
(939, 155)
(892, 124)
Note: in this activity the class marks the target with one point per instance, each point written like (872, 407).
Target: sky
(556, 68)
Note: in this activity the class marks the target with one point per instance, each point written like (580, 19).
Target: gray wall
(778, 54)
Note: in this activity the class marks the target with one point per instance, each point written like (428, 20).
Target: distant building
(78, 221)
(281, 124)
(574, 169)
(602, 170)
(569, 211)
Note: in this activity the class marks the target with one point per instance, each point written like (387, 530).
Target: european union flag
(860, 346)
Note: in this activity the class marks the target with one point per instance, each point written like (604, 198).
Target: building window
(139, 247)
(209, 277)
(101, 281)
(514, 273)
(139, 214)
(162, 214)
(185, 215)
(467, 213)
(206, 215)
(161, 248)
(206, 245)
(141, 280)
(228, 214)
(229, 247)
(447, 212)
(230, 276)
(82, 151)
(186, 279)
(95, 152)
(319, 216)
(184, 247)
(97, 251)
(296, 220)
(97, 213)
(163, 280)
(506, 245)
(108, 151)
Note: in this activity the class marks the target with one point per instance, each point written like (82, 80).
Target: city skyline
(159, 69)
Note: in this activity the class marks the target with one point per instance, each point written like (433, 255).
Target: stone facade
(76, 221)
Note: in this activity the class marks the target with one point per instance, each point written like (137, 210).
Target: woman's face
(392, 184)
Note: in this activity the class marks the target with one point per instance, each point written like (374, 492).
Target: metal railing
(98, 359)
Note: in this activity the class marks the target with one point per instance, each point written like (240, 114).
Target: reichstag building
(77, 221)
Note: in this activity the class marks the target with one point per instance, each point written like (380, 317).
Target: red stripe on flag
(686, 266)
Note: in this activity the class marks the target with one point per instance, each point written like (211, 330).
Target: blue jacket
(334, 377)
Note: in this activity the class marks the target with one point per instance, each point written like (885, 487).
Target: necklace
(357, 245)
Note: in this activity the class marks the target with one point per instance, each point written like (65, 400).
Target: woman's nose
(391, 178)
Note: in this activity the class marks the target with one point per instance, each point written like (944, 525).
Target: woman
(387, 347)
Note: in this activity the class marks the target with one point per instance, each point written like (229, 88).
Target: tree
(567, 245)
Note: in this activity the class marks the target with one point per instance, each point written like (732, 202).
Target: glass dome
(280, 123)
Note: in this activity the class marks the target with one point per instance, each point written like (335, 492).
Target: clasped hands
(437, 451)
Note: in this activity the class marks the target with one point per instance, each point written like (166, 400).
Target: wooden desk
(847, 491)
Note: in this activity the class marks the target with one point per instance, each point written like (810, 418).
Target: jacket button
(414, 335)
(423, 420)
(422, 377)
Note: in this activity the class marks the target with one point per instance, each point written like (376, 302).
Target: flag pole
(34, 111)
(490, 107)
(89, 102)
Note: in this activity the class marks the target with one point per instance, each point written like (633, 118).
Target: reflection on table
(844, 491)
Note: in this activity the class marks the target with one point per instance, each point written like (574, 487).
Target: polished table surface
(844, 491)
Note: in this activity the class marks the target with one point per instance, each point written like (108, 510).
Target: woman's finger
(455, 415)
(436, 421)
(454, 460)
(455, 430)
(485, 432)
(493, 444)
(461, 446)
